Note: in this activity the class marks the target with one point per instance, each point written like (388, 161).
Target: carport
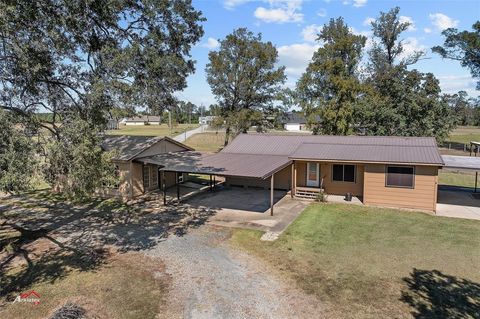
(463, 163)
(459, 202)
(218, 164)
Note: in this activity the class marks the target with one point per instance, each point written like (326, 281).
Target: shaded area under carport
(457, 202)
(224, 164)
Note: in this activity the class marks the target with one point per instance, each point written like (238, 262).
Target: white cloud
(211, 43)
(295, 57)
(359, 3)
(442, 21)
(410, 46)
(356, 3)
(366, 33)
(427, 30)
(322, 13)
(231, 4)
(404, 19)
(455, 83)
(310, 33)
(280, 11)
(368, 21)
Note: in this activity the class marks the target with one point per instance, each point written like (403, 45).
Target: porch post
(210, 182)
(177, 177)
(292, 186)
(295, 178)
(271, 194)
(213, 182)
(164, 187)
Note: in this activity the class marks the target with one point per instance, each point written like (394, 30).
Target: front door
(312, 174)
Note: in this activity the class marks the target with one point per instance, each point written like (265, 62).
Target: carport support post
(476, 178)
(164, 187)
(271, 195)
(177, 177)
(210, 182)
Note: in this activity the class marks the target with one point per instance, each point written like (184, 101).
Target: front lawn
(152, 130)
(364, 262)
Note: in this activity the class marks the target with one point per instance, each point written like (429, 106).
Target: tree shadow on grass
(433, 294)
(78, 236)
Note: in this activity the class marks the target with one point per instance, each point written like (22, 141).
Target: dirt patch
(127, 286)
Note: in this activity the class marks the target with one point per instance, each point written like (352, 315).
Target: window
(146, 176)
(400, 176)
(343, 173)
(154, 176)
(117, 177)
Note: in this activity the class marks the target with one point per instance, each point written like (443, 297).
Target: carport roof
(225, 164)
(462, 162)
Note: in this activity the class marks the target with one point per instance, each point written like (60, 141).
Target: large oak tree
(244, 79)
(77, 59)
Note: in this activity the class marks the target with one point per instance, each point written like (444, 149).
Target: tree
(330, 85)
(17, 154)
(399, 101)
(243, 77)
(464, 47)
(462, 106)
(78, 59)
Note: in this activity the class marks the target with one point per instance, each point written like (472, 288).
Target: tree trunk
(227, 134)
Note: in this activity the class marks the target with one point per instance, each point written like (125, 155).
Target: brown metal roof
(369, 153)
(225, 164)
(419, 150)
(462, 162)
(128, 147)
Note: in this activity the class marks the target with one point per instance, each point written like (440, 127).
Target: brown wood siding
(330, 186)
(282, 180)
(137, 179)
(423, 196)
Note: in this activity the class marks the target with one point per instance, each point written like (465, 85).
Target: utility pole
(170, 121)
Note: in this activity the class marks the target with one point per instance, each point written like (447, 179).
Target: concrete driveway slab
(458, 204)
(250, 208)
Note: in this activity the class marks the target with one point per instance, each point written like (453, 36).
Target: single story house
(383, 171)
(295, 121)
(142, 120)
(206, 119)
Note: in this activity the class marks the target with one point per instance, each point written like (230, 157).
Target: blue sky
(291, 26)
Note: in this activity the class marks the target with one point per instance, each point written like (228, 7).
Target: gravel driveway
(210, 279)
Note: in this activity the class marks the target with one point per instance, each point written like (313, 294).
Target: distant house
(294, 121)
(142, 120)
(112, 124)
(206, 119)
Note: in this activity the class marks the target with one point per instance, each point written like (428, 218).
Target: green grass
(364, 262)
(456, 178)
(152, 130)
(465, 134)
(206, 142)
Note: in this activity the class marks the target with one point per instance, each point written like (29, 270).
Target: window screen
(146, 176)
(400, 176)
(343, 173)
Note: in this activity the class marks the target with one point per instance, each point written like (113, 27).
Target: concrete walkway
(185, 135)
